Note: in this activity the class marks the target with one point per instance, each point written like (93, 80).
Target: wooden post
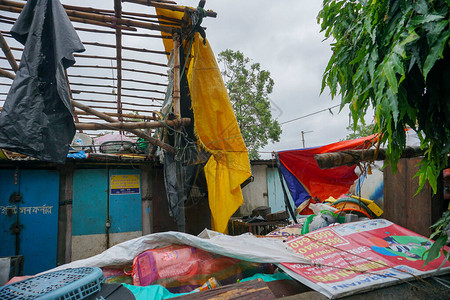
(176, 75)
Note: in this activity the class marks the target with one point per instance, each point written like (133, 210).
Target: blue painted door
(89, 208)
(33, 217)
(102, 197)
(125, 201)
(275, 191)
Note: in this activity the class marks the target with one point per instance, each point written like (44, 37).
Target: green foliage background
(393, 55)
(249, 88)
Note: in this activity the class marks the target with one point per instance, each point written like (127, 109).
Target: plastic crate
(67, 284)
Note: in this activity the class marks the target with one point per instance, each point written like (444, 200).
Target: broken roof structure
(146, 65)
(120, 81)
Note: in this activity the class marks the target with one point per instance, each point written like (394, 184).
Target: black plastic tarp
(36, 119)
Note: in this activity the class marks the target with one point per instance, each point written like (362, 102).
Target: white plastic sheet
(245, 247)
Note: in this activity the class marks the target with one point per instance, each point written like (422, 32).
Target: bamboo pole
(16, 7)
(123, 59)
(126, 48)
(6, 74)
(108, 57)
(133, 125)
(96, 102)
(131, 15)
(111, 94)
(125, 109)
(9, 56)
(129, 110)
(124, 33)
(209, 13)
(9, 19)
(123, 69)
(118, 46)
(123, 79)
(137, 132)
(351, 157)
(176, 75)
(82, 114)
(109, 86)
(75, 116)
(99, 23)
(114, 103)
(104, 19)
(12, 22)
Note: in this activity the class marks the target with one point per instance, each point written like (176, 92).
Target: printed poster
(354, 257)
(125, 184)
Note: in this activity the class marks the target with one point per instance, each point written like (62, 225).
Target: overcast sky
(284, 37)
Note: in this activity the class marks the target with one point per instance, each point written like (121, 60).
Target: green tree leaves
(249, 88)
(393, 56)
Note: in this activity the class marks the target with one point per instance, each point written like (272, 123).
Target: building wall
(255, 193)
(65, 238)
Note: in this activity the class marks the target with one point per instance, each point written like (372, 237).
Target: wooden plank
(401, 205)
(254, 289)
(284, 288)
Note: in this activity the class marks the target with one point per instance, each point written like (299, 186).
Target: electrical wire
(311, 114)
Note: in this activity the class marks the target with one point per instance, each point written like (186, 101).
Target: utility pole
(303, 136)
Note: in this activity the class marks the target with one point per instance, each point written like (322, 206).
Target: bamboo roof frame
(127, 70)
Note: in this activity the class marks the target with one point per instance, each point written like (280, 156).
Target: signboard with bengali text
(353, 257)
(125, 184)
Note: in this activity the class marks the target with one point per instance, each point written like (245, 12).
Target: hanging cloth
(36, 119)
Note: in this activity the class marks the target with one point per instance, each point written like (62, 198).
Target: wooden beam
(111, 86)
(123, 79)
(96, 101)
(123, 69)
(6, 74)
(129, 110)
(111, 94)
(147, 35)
(101, 19)
(128, 116)
(75, 116)
(352, 157)
(9, 56)
(158, 4)
(133, 125)
(126, 48)
(137, 132)
(123, 59)
(16, 7)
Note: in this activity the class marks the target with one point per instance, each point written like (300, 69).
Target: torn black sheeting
(36, 119)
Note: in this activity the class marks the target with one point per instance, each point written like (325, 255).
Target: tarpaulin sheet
(245, 247)
(360, 256)
(36, 119)
(305, 179)
(217, 131)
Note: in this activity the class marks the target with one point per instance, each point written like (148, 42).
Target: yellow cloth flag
(217, 131)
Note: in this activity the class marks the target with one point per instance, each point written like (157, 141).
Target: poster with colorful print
(354, 257)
